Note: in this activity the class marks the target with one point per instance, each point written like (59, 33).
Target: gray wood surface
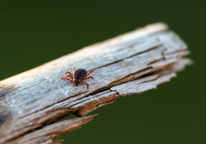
(135, 62)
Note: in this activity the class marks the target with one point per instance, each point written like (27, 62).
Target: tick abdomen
(79, 74)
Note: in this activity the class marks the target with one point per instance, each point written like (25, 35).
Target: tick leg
(92, 71)
(88, 78)
(66, 79)
(86, 84)
(69, 74)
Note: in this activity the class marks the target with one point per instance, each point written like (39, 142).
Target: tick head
(76, 83)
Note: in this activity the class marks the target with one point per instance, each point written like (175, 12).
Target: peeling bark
(135, 62)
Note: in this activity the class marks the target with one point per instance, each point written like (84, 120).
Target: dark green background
(35, 32)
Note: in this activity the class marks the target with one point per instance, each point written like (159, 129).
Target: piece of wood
(50, 132)
(135, 62)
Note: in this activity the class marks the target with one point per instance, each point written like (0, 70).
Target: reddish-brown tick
(78, 76)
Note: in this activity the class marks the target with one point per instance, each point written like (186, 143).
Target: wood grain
(135, 62)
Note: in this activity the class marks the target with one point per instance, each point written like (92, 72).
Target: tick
(78, 76)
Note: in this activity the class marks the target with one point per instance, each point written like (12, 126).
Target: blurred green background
(35, 32)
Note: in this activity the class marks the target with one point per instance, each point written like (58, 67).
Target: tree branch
(135, 62)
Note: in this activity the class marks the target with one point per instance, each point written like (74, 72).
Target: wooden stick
(131, 63)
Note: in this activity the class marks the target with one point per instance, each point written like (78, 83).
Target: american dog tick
(78, 76)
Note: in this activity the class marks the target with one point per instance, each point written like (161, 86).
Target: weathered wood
(132, 63)
(48, 133)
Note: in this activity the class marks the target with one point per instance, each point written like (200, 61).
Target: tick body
(78, 76)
